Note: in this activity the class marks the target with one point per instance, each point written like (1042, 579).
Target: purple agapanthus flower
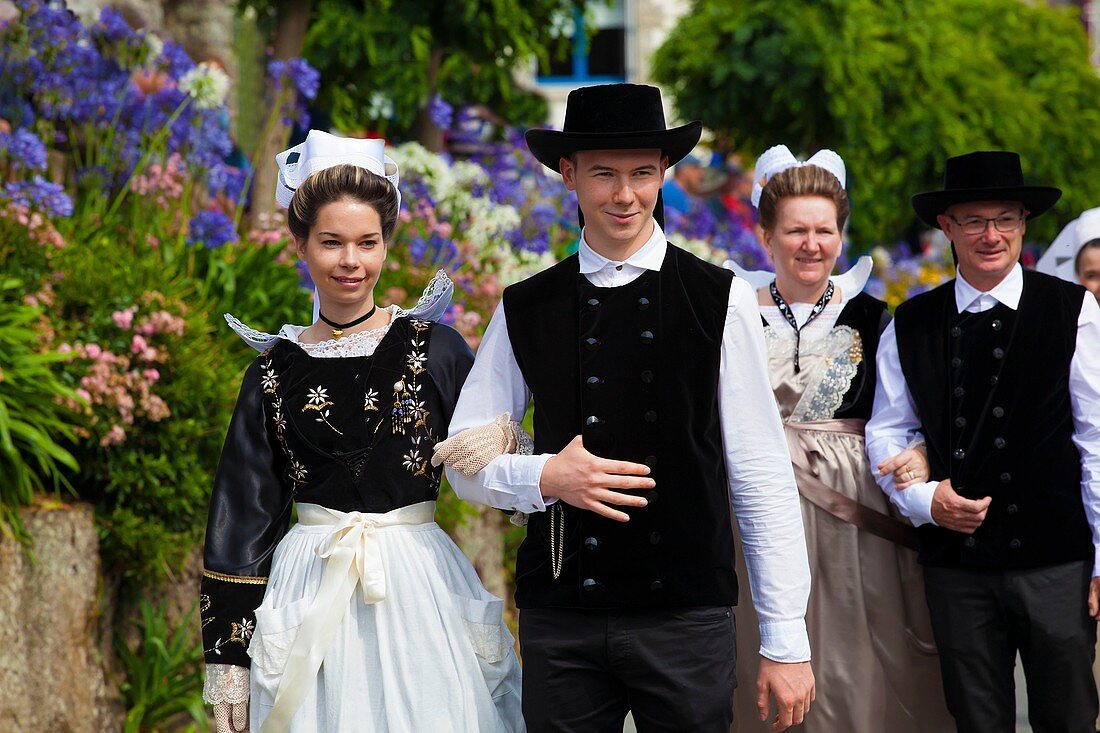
(113, 28)
(23, 150)
(212, 229)
(440, 113)
(39, 194)
(303, 77)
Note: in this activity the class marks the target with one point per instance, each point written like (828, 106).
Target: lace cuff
(225, 683)
(473, 449)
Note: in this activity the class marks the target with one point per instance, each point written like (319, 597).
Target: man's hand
(954, 512)
(792, 686)
(1094, 598)
(584, 480)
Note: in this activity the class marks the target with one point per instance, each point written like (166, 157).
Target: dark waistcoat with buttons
(634, 370)
(992, 393)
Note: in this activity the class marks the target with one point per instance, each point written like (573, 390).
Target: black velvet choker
(338, 328)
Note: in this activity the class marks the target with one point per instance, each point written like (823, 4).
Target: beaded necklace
(789, 316)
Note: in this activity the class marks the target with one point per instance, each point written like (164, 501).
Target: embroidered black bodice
(350, 434)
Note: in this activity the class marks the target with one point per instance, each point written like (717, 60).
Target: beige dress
(873, 657)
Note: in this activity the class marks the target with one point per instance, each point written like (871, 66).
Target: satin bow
(350, 547)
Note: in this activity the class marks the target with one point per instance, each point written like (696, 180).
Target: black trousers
(981, 619)
(583, 670)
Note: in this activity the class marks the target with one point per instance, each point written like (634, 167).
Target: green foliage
(34, 423)
(382, 61)
(163, 674)
(160, 389)
(895, 87)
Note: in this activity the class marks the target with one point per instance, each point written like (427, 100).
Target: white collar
(1007, 291)
(649, 257)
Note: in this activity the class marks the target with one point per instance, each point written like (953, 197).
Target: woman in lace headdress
(871, 643)
(363, 614)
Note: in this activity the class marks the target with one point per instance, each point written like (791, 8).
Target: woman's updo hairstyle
(806, 180)
(340, 182)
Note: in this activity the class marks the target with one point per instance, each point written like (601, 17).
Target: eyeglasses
(1005, 223)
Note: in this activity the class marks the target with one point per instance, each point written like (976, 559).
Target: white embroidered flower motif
(371, 401)
(270, 380)
(419, 413)
(413, 461)
(416, 361)
(298, 472)
(242, 632)
(319, 401)
(277, 417)
(319, 397)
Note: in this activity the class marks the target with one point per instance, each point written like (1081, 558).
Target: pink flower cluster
(467, 323)
(117, 388)
(41, 231)
(120, 384)
(164, 182)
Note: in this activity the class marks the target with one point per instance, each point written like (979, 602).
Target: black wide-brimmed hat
(613, 117)
(984, 176)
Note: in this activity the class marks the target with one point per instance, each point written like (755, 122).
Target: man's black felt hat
(613, 117)
(984, 176)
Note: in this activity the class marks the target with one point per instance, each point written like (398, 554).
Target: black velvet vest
(992, 393)
(634, 370)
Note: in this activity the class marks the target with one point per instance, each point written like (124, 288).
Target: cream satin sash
(803, 445)
(352, 557)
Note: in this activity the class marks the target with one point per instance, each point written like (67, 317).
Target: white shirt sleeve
(762, 490)
(494, 386)
(892, 426)
(1084, 395)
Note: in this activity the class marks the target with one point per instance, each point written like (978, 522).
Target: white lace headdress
(319, 151)
(322, 150)
(1060, 259)
(779, 158)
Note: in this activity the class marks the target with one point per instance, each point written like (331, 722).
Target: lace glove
(226, 688)
(471, 450)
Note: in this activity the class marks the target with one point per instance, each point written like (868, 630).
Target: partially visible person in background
(679, 190)
(1074, 255)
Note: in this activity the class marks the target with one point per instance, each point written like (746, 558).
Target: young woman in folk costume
(871, 643)
(363, 615)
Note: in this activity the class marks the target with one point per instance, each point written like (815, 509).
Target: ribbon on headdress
(779, 158)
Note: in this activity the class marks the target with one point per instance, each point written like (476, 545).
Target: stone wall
(54, 642)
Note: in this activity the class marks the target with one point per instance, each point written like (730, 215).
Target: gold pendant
(337, 333)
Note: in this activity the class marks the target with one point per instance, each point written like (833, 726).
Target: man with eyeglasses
(999, 370)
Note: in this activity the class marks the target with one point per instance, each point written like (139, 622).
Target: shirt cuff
(915, 502)
(522, 491)
(1096, 562)
(785, 641)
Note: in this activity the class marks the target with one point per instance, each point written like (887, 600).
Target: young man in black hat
(653, 414)
(1000, 370)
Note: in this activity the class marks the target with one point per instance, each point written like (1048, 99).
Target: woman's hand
(231, 717)
(909, 467)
